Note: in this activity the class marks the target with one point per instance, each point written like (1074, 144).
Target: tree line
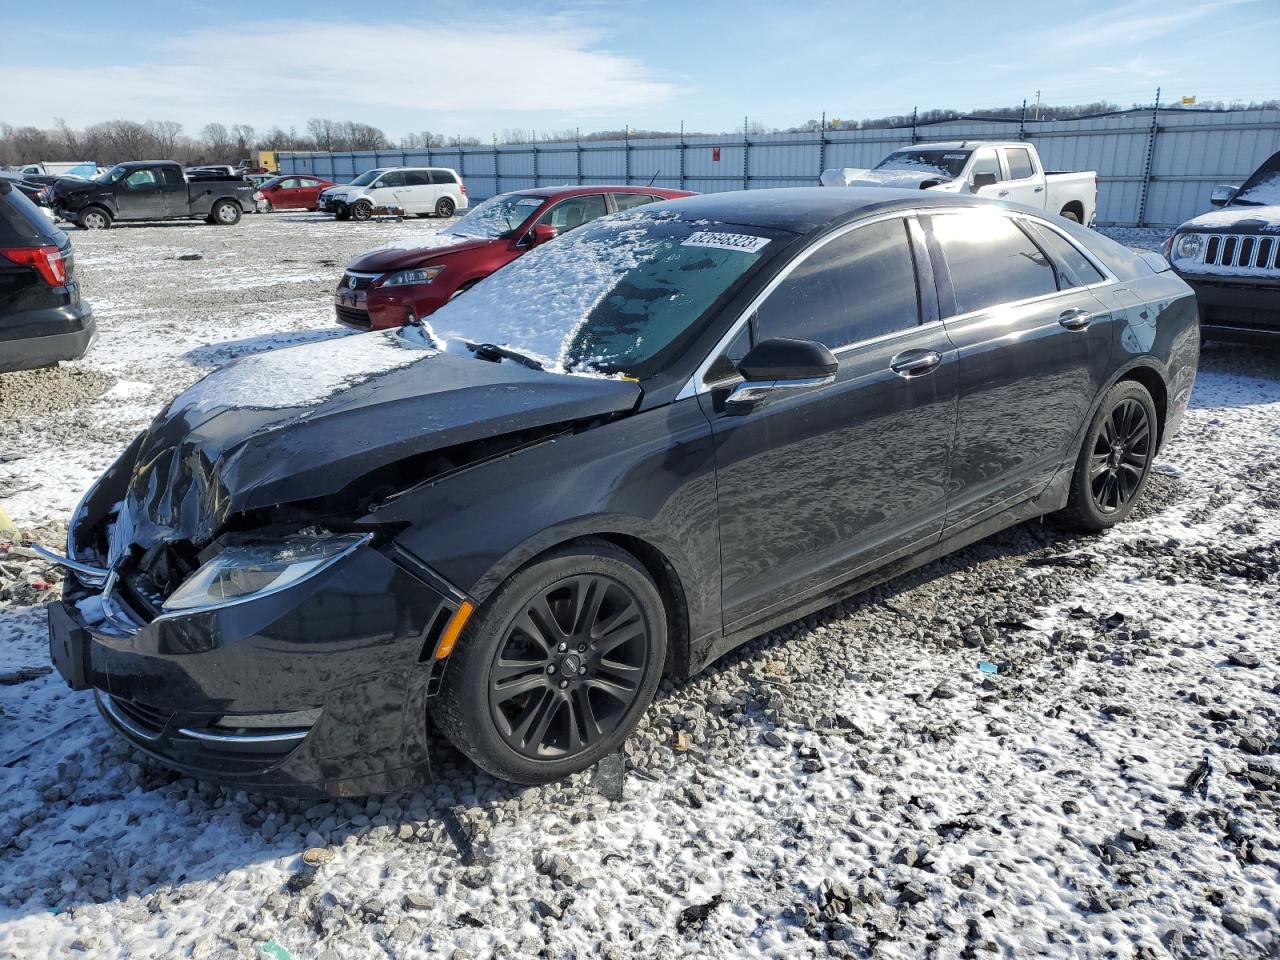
(113, 141)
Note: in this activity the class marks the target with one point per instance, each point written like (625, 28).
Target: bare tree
(166, 134)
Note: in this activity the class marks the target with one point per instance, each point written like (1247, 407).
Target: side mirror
(1222, 194)
(981, 180)
(541, 233)
(780, 364)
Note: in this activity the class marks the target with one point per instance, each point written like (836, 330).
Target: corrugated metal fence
(1155, 167)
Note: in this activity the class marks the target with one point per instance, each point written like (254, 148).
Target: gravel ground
(859, 783)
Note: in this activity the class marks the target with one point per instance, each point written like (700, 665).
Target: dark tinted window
(990, 260)
(574, 212)
(21, 222)
(858, 286)
(417, 178)
(1020, 165)
(171, 176)
(443, 176)
(986, 162)
(393, 179)
(1074, 269)
(626, 201)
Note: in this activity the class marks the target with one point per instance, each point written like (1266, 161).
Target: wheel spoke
(586, 713)
(620, 672)
(618, 691)
(502, 692)
(537, 715)
(540, 613)
(588, 596)
(1097, 465)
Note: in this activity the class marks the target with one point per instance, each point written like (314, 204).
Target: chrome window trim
(696, 385)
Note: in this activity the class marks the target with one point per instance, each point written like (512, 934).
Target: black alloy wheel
(445, 207)
(1115, 462)
(361, 210)
(558, 666)
(1120, 455)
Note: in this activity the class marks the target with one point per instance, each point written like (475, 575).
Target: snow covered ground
(851, 785)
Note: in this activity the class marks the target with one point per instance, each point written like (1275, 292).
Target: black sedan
(617, 458)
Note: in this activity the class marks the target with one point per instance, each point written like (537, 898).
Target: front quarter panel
(650, 476)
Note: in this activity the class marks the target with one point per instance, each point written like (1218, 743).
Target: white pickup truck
(1002, 171)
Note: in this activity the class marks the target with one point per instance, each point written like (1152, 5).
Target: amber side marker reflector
(453, 628)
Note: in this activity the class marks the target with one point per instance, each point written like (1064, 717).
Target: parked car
(84, 169)
(291, 193)
(420, 191)
(626, 453)
(42, 316)
(212, 170)
(37, 193)
(150, 190)
(1003, 171)
(395, 285)
(1231, 258)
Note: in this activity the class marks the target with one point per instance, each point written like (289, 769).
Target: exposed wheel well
(1076, 207)
(664, 575)
(1155, 386)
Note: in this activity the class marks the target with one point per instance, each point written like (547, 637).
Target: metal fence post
(497, 177)
(1151, 152)
(577, 153)
(681, 154)
(1022, 123)
(822, 147)
(534, 148)
(746, 147)
(913, 124)
(626, 153)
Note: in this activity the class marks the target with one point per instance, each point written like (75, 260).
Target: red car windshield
(497, 218)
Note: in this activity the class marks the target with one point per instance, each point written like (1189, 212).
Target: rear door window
(990, 260)
(859, 286)
(1020, 164)
(444, 176)
(1074, 268)
(171, 177)
(417, 178)
(626, 201)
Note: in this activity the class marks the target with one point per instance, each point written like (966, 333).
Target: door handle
(1003, 193)
(915, 363)
(1039, 190)
(1075, 319)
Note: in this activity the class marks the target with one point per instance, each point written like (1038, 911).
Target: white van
(421, 191)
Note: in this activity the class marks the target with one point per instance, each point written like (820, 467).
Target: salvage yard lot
(853, 784)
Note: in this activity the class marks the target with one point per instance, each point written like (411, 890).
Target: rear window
(22, 223)
(990, 260)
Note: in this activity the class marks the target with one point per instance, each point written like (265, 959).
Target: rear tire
(557, 667)
(361, 210)
(445, 207)
(94, 218)
(1070, 215)
(225, 213)
(1114, 464)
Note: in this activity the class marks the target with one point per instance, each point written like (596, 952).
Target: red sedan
(292, 193)
(392, 286)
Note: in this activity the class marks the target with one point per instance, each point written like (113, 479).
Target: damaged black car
(612, 461)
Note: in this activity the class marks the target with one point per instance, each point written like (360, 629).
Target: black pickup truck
(150, 190)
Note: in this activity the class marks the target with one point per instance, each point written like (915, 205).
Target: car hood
(67, 186)
(307, 422)
(1241, 219)
(414, 251)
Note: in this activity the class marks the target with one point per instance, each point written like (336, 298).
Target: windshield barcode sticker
(725, 241)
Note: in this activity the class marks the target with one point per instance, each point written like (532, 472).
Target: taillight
(464, 188)
(46, 260)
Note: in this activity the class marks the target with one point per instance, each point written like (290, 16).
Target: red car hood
(404, 256)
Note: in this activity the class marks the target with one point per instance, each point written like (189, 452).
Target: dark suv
(42, 318)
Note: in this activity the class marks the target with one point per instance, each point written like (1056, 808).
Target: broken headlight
(244, 571)
(418, 275)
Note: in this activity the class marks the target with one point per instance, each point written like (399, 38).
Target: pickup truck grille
(1242, 250)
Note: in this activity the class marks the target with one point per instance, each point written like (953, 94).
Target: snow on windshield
(946, 163)
(608, 296)
(496, 218)
(1266, 192)
(301, 376)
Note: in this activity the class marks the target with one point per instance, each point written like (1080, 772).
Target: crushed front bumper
(1243, 310)
(319, 688)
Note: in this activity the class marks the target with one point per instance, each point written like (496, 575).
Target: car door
(175, 196)
(140, 196)
(1023, 181)
(986, 161)
(308, 191)
(1031, 347)
(822, 482)
(386, 191)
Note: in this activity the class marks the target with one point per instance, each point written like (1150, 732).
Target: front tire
(557, 667)
(361, 210)
(94, 218)
(225, 213)
(445, 207)
(1115, 462)
(342, 215)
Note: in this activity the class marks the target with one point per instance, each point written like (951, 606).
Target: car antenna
(655, 176)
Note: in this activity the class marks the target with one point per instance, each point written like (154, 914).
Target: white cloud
(1135, 22)
(396, 75)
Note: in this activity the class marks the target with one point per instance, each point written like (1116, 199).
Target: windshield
(1263, 186)
(112, 175)
(496, 218)
(947, 163)
(609, 296)
(366, 178)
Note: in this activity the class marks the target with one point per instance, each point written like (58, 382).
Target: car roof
(802, 209)
(569, 190)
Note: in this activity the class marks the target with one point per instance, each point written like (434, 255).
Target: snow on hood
(902, 179)
(300, 376)
(424, 240)
(1242, 217)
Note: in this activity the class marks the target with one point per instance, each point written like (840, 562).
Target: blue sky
(477, 68)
